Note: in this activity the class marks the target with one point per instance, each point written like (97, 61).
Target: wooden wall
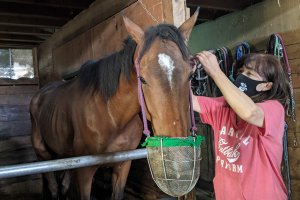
(15, 144)
(66, 51)
(292, 43)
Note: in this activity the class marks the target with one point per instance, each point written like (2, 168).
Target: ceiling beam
(17, 45)
(13, 30)
(77, 4)
(31, 22)
(20, 38)
(230, 5)
(25, 10)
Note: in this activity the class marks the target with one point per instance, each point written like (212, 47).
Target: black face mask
(247, 85)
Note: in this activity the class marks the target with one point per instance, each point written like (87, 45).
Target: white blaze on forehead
(167, 64)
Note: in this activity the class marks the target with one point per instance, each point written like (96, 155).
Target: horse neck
(124, 105)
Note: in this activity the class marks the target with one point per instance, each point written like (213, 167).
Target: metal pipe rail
(70, 163)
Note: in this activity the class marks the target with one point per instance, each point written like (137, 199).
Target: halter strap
(141, 97)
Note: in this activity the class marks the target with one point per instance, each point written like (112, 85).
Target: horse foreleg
(49, 182)
(189, 196)
(43, 154)
(119, 178)
(50, 185)
(84, 178)
(65, 180)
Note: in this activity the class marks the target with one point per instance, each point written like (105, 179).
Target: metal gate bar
(70, 163)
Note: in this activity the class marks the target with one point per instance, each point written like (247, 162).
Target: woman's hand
(209, 62)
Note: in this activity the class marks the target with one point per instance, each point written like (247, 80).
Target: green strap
(157, 141)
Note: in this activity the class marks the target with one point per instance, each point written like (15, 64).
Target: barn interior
(44, 41)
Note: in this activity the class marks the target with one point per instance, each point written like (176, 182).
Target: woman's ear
(264, 86)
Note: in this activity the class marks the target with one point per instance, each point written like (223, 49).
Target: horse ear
(134, 30)
(187, 26)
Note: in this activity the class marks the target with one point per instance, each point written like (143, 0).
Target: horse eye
(142, 80)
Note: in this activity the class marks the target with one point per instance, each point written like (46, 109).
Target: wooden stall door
(15, 144)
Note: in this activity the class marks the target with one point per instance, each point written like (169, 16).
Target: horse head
(165, 72)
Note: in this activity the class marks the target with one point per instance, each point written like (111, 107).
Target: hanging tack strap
(283, 54)
(277, 48)
(194, 127)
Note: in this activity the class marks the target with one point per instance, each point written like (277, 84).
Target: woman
(248, 125)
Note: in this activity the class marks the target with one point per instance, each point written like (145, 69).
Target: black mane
(103, 75)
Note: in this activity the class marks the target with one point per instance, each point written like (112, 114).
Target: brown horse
(98, 110)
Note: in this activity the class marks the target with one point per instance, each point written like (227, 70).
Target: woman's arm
(243, 105)
(195, 102)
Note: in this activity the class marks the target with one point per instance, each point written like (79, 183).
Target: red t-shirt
(248, 158)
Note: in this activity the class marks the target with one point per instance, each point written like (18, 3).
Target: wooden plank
(31, 22)
(295, 65)
(18, 89)
(293, 139)
(295, 188)
(41, 11)
(20, 81)
(293, 51)
(296, 80)
(21, 38)
(26, 190)
(291, 37)
(107, 29)
(21, 99)
(4, 183)
(14, 113)
(17, 45)
(68, 58)
(15, 143)
(14, 128)
(17, 156)
(178, 10)
(25, 31)
(294, 161)
(168, 11)
(231, 5)
(79, 4)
